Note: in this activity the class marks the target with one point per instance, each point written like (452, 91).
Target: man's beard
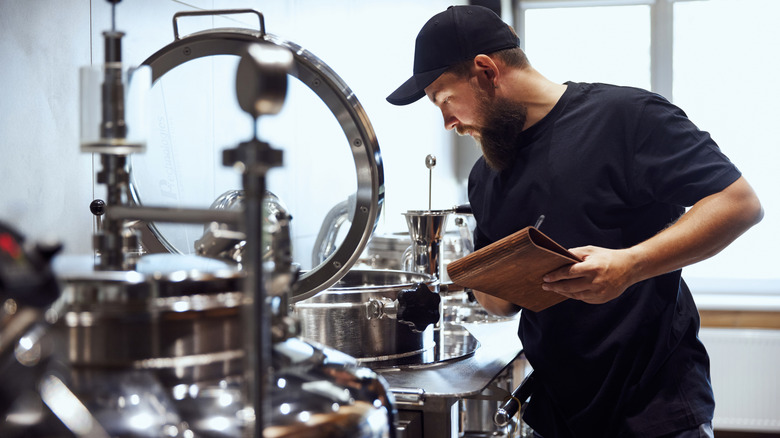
(502, 122)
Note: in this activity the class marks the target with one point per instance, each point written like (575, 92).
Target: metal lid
(162, 282)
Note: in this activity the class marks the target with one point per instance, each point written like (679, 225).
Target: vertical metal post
(260, 338)
(261, 87)
(257, 158)
(115, 176)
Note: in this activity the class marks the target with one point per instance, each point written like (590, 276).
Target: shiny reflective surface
(394, 251)
(320, 392)
(225, 242)
(179, 350)
(184, 324)
(120, 402)
(451, 343)
(426, 229)
(349, 316)
(157, 352)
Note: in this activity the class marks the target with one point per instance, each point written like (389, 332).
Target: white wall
(47, 183)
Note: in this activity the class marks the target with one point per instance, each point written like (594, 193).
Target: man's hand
(603, 275)
(708, 227)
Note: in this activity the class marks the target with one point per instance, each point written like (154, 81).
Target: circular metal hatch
(342, 103)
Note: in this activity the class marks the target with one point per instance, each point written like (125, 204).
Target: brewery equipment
(449, 377)
(181, 345)
(426, 229)
(261, 86)
(174, 345)
(370, 315)
(27, 287)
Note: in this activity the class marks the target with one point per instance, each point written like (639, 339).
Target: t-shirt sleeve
(674, 161)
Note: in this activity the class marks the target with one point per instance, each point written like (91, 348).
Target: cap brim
(412, 90)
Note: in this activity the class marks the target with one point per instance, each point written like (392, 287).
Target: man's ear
(487, 70)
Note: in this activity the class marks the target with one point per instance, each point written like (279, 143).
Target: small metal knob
(98, 207)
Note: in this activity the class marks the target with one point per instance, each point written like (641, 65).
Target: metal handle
(414, 396)
(510, 407)
(216, 12)
(462, 209)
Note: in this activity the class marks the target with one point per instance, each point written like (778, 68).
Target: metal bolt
(373, 309)
(187, 51)
(357, 142)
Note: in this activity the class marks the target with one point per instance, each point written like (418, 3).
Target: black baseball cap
(458, 34)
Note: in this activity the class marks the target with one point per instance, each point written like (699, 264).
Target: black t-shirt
(609, 166)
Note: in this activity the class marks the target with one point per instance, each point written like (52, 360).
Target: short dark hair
(513, 57)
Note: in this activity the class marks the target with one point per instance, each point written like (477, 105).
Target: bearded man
(612, 169)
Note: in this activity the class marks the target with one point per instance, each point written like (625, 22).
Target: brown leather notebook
(512, 268)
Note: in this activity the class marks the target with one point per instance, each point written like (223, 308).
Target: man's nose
(450, 121)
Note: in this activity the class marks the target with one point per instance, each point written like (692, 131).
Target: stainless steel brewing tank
(171, 330)
(184, 324)
(345, 316)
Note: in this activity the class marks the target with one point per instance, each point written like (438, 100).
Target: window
(591, 44)
(717, 59)
(725, 67)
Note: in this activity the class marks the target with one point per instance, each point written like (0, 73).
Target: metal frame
(332, 90)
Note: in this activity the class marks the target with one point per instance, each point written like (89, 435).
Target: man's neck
(533, 90)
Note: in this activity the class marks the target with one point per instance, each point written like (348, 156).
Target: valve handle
(418, 307)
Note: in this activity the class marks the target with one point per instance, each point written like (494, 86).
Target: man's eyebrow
(433, 96)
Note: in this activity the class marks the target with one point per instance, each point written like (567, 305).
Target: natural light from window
(598, 44)
(725, 70)
(725, 66)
